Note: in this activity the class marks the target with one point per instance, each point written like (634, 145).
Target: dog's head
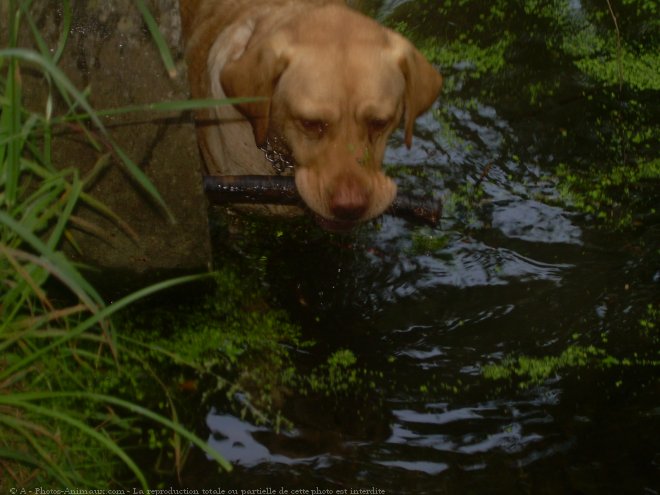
(336, 85)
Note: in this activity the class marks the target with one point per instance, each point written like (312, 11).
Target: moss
(247, 354)
(337, 376)
(475, 59)
(528, 371)
(617, 197)
(639, 71)
(533, 371)
(230, 336)
(428, 241)
(650, 327)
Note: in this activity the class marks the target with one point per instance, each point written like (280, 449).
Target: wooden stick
(281, 190)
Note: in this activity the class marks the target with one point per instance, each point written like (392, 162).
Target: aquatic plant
(621, 198)
(527, 371)
(533, 371)
(228, 339)
(231, 343)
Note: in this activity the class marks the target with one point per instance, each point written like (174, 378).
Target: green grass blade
(96, 318)
(62, 81)
(64, 33)
(142, 180)
(66, 87)
(102, 209)
(37, 210)
(28, 397)
(163, 106)
(21, 401)
(39, 40)
(72, 196)
(157, 37)
(25, 459)
(108, 311)
(62, 268)
(48, 465)
(11, 125)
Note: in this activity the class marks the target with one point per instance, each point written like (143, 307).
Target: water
(516, 274)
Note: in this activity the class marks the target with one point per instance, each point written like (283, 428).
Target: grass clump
(66, 418)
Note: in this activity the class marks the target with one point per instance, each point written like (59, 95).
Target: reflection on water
(235, 440)
(535, 222)
(516, 276)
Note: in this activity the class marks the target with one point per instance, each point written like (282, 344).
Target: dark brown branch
(279, 190)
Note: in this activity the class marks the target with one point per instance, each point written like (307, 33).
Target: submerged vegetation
(591, 73)
(527, 371)
(621, 198)
(230, 343)
(584, 76)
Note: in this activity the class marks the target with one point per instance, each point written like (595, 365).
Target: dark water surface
(509, 273)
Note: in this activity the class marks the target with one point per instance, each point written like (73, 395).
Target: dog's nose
(349, 200)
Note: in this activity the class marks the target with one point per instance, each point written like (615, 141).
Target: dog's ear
(254, 73)
(423, 82)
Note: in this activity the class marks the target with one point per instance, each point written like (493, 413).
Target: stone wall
(110, 52)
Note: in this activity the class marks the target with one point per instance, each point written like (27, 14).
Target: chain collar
(278, 154)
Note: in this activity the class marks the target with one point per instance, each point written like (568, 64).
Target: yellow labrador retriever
(334, 85)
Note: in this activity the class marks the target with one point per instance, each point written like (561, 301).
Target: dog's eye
(376, 126)
(314, 126)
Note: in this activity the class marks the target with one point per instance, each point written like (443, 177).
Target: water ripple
(234, 440)
(535, 222)
(475, 264)
(422, 466)
(453, 431)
